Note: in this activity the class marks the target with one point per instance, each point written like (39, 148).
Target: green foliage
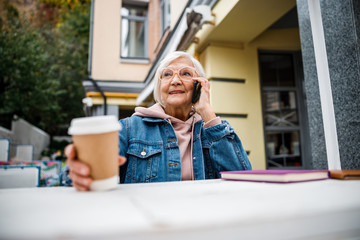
(70, 58)
(69, 4)
(25, 82)
(56, 150)
(41, 68)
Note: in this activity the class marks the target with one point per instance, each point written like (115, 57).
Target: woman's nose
(176, 79)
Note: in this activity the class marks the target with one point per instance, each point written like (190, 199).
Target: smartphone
(196, 92)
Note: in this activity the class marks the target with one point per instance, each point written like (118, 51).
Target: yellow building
(252, 54)
(125, 40)
(231, 50)
(129, 38)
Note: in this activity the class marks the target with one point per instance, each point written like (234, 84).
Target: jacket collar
(150, 119)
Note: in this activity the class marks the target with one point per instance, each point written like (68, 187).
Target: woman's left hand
(203, 106)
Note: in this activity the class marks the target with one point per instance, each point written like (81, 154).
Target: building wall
(23, 132)
(176, 7)
(229, 61)
(106, 62)
(223, 62)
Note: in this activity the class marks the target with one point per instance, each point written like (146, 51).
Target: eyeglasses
(185, 73)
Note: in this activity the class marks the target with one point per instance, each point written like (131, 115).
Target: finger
(79, 181)
(81, 188)
(78, 167)
(122, 160)
(203, 82)
(70, 151)
(200, 79)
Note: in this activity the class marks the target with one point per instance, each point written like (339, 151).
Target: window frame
(144, 20)
(165, 17)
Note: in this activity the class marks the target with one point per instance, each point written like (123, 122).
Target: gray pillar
(341, 21)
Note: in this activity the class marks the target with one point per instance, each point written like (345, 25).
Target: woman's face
(176, 84)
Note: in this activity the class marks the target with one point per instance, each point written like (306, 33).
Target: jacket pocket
(143, 165)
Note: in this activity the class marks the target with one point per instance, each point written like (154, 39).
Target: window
(134, 31)
(165, 15)
(282, 110)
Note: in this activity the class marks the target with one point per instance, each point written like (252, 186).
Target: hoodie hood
(157, 111)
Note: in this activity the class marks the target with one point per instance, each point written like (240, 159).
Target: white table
(211, 209)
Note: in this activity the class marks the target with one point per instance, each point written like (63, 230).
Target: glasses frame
(177, 72)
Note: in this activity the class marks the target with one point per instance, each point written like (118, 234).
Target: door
(284, 113)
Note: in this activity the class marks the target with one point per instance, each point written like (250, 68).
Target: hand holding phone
(196, 92)
(204, 108)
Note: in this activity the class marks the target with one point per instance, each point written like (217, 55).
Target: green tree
(25, 84)
(42, 66)
(70, 65)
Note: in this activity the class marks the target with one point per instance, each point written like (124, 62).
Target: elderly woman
(175, 139)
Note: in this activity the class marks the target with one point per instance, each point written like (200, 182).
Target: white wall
(23, 132)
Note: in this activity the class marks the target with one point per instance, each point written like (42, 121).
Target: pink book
(276, 176)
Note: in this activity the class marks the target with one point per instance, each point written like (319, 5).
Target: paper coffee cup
(96, 141)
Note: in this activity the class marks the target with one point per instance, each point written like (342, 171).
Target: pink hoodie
(183, 132)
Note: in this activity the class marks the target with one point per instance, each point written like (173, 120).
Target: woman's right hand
(80, 171)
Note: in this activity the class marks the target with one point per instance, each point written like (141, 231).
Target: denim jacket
(151, 148)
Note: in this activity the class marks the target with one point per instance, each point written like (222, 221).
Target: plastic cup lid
(94, 125)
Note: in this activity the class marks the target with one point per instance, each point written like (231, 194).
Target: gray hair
(164, 63)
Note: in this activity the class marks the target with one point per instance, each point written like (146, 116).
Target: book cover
(346, 174)
(276, 176)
